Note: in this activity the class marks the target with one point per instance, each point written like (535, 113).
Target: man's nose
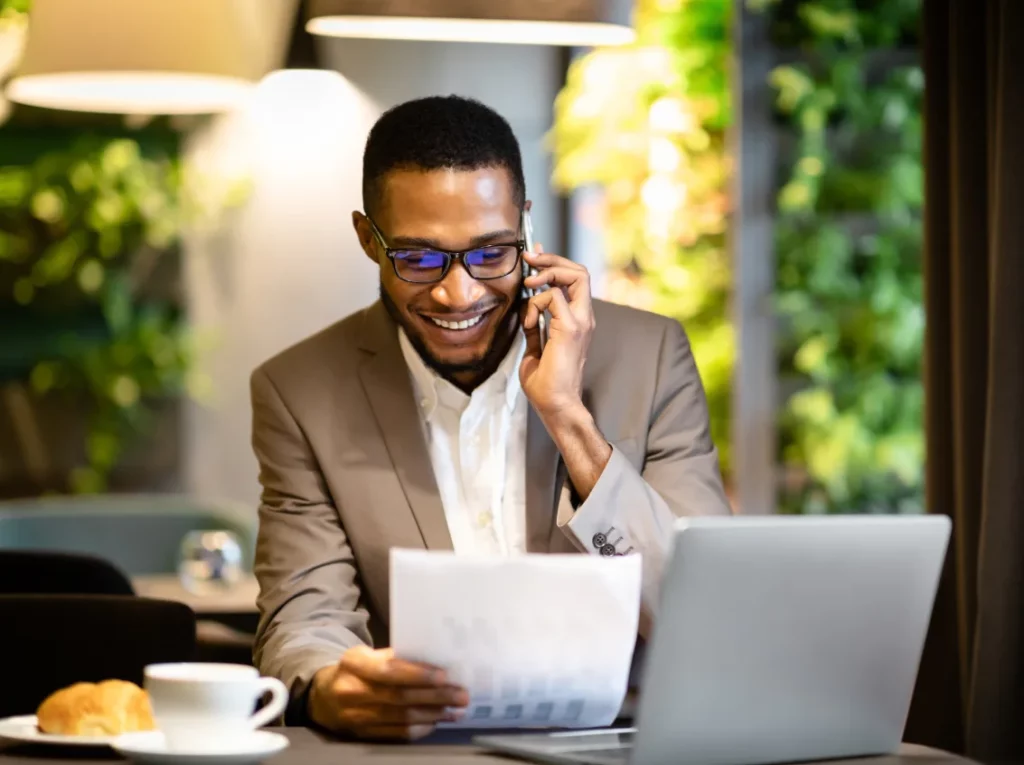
(458, 290)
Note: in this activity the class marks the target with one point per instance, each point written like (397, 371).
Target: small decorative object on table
(210, 562)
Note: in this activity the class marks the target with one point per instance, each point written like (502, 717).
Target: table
(240, 599)
(310, 748)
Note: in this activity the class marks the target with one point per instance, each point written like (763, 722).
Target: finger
(576, 281)
(364, 717)
(533, 344)
(353, 691)
(543, 259)
(382, 667)
(417, 715)
(528, 317)
(448, 696)
(395, 732)
(531, 356)
(555, 303)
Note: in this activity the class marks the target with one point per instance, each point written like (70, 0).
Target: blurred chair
(138, 533)
(41, 572)
(49, 568)
(51, 641)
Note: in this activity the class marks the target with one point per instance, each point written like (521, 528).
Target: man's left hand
(553, 380)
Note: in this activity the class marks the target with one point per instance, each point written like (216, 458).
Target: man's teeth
(465, 324)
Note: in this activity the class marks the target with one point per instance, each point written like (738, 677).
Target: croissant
(108, 708)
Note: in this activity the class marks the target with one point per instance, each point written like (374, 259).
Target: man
(433, 420)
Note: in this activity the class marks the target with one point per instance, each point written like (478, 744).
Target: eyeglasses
(426, 266)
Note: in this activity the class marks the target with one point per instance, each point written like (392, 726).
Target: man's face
(450, 210)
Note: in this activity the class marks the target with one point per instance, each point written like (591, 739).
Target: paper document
(539, 641)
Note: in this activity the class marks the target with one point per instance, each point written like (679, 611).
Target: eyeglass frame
(450, 256)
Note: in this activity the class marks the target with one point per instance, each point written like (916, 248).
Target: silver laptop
(778, 639)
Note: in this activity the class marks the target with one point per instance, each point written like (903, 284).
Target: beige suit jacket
(346, 475)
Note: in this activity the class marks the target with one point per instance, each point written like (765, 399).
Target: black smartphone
(542, 323)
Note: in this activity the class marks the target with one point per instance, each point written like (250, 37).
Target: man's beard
(447, 370)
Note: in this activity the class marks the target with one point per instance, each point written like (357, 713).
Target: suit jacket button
(599, 540)
(608, 550)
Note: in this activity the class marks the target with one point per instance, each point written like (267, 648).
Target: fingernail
(419, 731)
(439, 677)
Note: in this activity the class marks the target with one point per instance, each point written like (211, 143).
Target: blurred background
(176, 183)
(176, 179)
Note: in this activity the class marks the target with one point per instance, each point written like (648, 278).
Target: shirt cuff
(594, 526)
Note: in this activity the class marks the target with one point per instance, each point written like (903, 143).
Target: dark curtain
(970, 693)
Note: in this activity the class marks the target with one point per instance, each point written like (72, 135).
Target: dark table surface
(310, 748)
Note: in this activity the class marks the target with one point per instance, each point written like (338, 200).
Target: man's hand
(373, 695)
(553, 381)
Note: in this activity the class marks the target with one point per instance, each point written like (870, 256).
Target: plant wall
(647, 124)
(90, 302)
(848, 245)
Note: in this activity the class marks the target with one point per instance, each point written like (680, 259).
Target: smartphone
(542, 323)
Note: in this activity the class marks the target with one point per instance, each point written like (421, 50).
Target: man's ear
(364, 232)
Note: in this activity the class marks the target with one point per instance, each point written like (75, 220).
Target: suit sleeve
(632, 511)
(309, 602)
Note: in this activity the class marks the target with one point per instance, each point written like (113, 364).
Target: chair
(51, 641)
(55, 573)
(38, 572)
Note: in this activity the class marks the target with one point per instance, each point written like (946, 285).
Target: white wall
(519, 81)
(289, 264)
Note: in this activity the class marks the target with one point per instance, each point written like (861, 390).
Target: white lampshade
(578, 23)
(150, 57)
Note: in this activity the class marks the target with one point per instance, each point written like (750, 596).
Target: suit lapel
(385, 378)
(544, 478)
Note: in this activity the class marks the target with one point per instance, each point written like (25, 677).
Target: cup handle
(278, 702)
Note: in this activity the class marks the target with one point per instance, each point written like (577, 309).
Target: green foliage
(88, 231)
(848, 246)
(13, 18)
(11, 8)
(647, 123)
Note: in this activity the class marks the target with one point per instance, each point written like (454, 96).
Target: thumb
(532, 334)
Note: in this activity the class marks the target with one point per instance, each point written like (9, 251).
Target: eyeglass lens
(429, 265)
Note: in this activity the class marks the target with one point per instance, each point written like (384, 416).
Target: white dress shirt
(477, 446)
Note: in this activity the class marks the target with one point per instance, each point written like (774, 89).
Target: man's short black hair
(439, 132)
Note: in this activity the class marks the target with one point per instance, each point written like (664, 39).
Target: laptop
(778, 639)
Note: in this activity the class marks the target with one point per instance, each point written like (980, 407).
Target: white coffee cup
(206, 707)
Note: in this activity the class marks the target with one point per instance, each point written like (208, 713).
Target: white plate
(149, 748)
(26, 729)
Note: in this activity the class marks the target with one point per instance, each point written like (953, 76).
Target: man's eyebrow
(504, 236)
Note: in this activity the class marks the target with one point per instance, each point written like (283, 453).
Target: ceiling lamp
(577, 23)
(150, 57)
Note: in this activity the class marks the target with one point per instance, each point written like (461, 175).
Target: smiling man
(434, 419)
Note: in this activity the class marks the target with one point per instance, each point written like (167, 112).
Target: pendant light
(150, 57)
(577, 23)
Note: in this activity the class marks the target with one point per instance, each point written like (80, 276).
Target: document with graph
(539, 641)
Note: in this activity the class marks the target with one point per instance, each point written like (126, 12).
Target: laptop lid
(786, 638)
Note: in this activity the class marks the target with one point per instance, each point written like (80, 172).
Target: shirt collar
(431, 389)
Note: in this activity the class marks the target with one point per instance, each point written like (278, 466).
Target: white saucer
(26, 730)
(150, 748)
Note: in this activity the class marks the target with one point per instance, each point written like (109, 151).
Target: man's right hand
(374, 695)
